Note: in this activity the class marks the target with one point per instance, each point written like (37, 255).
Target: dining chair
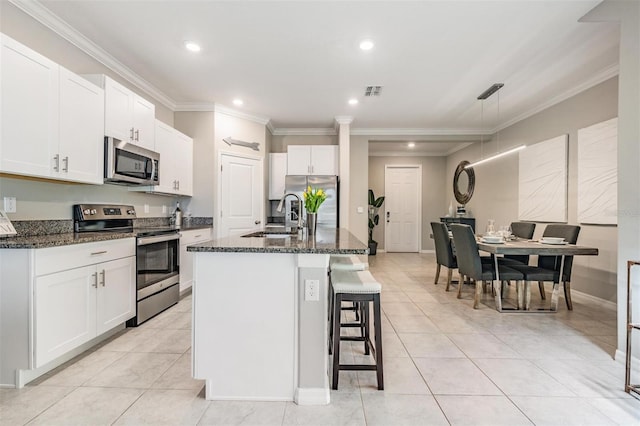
(522, 230)
(470, 265)
(548, 268)
(444, 251)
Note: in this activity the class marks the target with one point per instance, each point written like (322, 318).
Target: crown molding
(600, 77)
(270, 128)
(240, 114)
(343, 119)
(43, 15)
(318, 131)
(406, 154)
(418, 132)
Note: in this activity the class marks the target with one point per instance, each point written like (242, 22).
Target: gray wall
(280, 143)
(435, 189)
(496, 193)
(359, 186)
(42, 199)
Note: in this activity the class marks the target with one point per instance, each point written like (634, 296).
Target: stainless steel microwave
(129, 164)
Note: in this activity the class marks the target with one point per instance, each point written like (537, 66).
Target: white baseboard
(427, 251)
(312, 396)
(607, 304)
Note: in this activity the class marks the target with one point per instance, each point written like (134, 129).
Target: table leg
(527, 295)
(556, 287)
(520, 293)
(498, 291)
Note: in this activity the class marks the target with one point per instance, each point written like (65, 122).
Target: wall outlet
(311, 290)
(10, 204)
(360, 209)
(146, 208)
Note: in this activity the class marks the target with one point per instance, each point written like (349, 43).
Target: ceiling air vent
(372, 90)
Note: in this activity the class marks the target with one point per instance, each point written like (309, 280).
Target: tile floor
(445, 363)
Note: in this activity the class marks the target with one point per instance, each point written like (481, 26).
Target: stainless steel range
(157, 255)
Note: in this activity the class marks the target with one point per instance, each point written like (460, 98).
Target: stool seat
(347, 263)
(356, 282)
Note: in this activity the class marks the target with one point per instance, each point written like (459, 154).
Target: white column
(343, 124)
(627, 13)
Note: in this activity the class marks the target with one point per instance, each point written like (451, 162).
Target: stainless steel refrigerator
(328, 211)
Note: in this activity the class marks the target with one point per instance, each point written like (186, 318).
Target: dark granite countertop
(69, 238)
(326, 241)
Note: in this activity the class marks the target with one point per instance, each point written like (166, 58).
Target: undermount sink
(279, 232)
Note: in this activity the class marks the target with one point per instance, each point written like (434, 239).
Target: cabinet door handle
(131, 134)
(178, 182)
(138, 135)
(95, 253)
(388, 214)
(56, 166)
(65, 164)
(102, 274)
(95, 279)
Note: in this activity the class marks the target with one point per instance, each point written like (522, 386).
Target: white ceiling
(297, 63)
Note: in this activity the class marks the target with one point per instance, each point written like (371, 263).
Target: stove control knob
(94, 211)
(86, 211)
(131, 212)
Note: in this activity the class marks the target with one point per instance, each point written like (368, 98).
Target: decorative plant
(374, 218)
(313, 198)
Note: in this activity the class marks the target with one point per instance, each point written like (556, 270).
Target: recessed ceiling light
(366, 45)
(238, 102)
(192, 46)
(353, 101)
(411, 144)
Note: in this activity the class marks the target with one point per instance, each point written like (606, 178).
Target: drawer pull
(197, 236)
(95, 253)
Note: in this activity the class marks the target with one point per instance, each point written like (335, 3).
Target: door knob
(257, 222)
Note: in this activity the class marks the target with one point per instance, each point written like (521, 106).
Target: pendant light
(484, 95)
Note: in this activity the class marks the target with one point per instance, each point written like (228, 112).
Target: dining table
(532, 247)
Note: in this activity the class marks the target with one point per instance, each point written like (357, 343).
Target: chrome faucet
(281, 205)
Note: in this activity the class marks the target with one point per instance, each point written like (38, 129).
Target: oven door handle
(157, 239)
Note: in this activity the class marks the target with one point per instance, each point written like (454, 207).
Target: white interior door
(241, 195)
(403, 199)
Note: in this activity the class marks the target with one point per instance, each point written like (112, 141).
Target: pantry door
(241, 195)
(403, 205)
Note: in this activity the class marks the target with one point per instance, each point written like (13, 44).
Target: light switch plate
(10, 204)
(360, 209)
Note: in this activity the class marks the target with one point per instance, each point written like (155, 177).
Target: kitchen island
(260, 315)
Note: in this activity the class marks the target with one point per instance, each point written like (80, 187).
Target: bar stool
(347, 263)
(360, 287)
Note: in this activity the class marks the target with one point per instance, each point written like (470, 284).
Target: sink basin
(280, 232)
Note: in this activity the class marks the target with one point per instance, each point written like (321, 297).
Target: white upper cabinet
(312, 160)
(127, 116)
(277, 173)
(29, 110)
(176, 162)
(81, 148)
(51, 119)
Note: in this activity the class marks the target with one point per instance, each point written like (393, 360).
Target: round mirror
(464, 180)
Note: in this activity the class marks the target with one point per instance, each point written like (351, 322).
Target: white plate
(491, 241)
(554, 243)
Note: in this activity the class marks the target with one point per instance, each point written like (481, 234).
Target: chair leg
(543, 295)
(476, 297)
(437, 274)
(336, 340)
(378, 335)
(449, 276)
(567, 295)
(365, 322)
(460, 282)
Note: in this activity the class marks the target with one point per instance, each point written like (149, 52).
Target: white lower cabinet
(56, 299)
(186, 258)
